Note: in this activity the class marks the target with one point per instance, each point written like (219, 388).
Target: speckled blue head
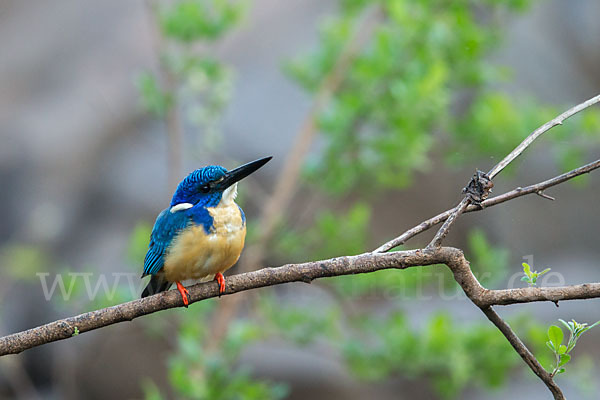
(200, 187)
(204, 187)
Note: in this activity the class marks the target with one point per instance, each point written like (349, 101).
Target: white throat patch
(181, 206)
(229, 195)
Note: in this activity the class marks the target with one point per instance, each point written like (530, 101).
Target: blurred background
(377, 114)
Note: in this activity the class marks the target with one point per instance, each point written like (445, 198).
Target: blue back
(166, 227)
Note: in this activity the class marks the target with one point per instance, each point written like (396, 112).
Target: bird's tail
(157, 284)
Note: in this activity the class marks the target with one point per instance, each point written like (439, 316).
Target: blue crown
(188, 191)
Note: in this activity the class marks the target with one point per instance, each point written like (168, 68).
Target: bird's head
(209, 185)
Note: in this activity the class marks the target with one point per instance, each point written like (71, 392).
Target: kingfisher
(201, 234)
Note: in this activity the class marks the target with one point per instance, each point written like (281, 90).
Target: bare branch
(538, 132)
(531, 294)
(459, 266)
(306, 272)
(443, 231)
(525, 354)
(459, 209)
(544, 195)
(518, 192)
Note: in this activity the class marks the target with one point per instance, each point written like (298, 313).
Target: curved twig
(538, 132)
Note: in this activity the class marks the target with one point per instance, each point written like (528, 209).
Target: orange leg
(185, 295)
(221, 281)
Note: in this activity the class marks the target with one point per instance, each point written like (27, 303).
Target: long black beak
(240, 173)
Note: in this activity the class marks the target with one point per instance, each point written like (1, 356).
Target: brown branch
(524, 352)
(532, 294)
(454, 214)
(513, 194)
(459, 266)
(305, 272)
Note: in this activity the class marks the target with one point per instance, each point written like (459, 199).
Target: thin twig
(462, 206)
(538, 132)
(443, 231)
(518, 192)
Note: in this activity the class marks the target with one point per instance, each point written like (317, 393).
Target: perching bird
(202, 233)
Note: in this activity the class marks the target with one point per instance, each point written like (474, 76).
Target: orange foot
(221, 281)
(185, 295)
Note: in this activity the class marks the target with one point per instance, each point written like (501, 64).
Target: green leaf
(555, 334)
(564, 358)
(551, 346)
(525, 279)
(527, 269)
(566, 324)
(560, 371)
(562, 349)
(544, 271)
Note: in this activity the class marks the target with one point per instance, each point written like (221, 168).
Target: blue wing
(166, 227)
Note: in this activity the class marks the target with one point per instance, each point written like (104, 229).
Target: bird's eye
(205, 188)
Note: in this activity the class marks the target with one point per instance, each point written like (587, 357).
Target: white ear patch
(181, 206)
(229, 195)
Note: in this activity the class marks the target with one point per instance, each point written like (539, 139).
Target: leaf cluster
(531, 277)
(561, 351)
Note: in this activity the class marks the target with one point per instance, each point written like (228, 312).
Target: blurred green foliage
(489, 263)
(191, 80)
(153, 99)
(22, 262)
(292, 322)
(196, 373)
(423, 80)
(200, 20)
(452, 355)
(350, 230)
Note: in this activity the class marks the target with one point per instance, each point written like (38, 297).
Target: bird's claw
(221, 281)
(185, 294)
